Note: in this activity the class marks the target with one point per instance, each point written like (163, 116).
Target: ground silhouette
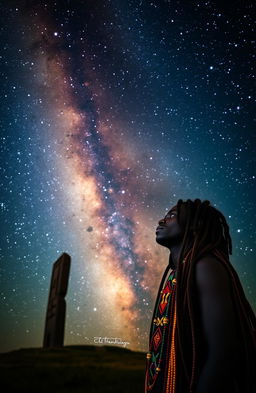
(85, 368)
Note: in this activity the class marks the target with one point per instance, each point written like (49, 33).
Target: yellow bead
(149, 355)
(158, 369)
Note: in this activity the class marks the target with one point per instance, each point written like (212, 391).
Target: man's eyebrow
(171, 211)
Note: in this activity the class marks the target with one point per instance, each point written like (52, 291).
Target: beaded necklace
(159, 330)
(160, 326)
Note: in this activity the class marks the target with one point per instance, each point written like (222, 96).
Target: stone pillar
(56, 309)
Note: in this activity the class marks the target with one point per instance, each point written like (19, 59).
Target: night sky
(112, 111)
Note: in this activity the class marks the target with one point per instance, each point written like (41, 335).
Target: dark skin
(217, 315)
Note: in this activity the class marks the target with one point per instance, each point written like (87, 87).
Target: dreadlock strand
(226, 232)
(198, 207)
(203, 234)
(196, 232)
(180, 285)
(187, 273)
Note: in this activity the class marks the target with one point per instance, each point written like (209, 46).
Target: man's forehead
(174, 208)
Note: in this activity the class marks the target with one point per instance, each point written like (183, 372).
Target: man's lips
(159, 228)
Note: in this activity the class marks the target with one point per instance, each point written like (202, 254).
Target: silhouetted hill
(79, 369)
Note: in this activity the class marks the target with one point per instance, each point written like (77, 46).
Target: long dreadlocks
(206, 231)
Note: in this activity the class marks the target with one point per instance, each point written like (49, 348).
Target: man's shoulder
(209, 262)
(210, 272)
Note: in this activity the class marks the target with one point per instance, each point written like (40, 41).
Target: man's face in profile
(169, 231)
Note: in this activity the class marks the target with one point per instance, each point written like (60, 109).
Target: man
(202, 337)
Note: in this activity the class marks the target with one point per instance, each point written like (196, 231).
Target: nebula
(100, 171)
(112, 112)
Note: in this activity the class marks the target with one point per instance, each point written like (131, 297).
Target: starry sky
(112, 111)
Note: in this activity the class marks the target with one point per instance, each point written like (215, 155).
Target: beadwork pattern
(161, 332)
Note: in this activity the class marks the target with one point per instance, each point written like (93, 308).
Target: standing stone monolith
(56, 309)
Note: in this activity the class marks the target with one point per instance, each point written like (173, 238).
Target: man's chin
(162, 241)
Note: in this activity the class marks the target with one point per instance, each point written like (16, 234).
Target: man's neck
(174, 254)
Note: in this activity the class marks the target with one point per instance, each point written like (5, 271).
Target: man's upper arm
(216, 308)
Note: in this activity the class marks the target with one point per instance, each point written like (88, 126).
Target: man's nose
(162, 221)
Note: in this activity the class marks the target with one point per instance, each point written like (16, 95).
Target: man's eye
(170, 215)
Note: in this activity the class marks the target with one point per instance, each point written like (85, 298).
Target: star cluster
(112, 111)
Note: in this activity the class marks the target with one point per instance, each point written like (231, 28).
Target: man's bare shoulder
(216, 307)
(210, 274)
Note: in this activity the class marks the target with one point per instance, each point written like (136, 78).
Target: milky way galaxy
(112, 112)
